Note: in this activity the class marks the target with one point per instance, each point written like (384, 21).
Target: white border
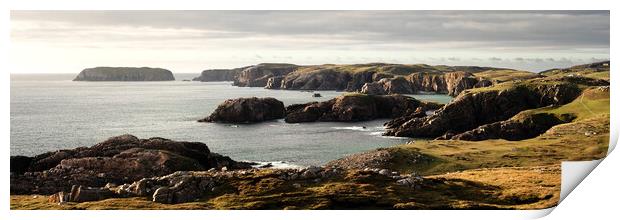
(280, 5)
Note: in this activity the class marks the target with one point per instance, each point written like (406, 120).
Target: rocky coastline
(522, 128)
(372, 78)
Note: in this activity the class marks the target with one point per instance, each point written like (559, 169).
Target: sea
(51, 112)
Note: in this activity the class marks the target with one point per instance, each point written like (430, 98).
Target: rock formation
(258, 75)
(117, 160)
(247, 110)
(216, 75)
(473, 109)
(516, 129)
(124, 74)
(320, 79)
(355, 107)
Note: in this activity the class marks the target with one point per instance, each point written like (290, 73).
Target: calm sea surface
(51, 112)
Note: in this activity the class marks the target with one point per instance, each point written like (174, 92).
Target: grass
(506, 75)
(358, 189)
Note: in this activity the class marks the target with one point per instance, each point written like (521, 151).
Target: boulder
(124, 74)
(247, 110)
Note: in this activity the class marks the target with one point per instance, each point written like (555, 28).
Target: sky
(192, 41)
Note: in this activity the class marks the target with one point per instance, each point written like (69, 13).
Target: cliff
(258, 75)
(124, 74)
(216, 75)
(493, 104)
(371, 78)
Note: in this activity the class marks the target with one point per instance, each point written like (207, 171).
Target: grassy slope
(505, 75)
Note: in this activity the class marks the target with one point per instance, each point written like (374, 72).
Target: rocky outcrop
(459, 81)
(356, 107)
(274, 82)
(520, 128)
(217, 75)
(320, 79)
(470, 110)
(451, 83)
(247, 110)
(258, 75)
(124, 74)
(117, 160)
(396, 85)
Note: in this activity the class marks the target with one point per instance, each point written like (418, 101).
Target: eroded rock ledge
(117, 160)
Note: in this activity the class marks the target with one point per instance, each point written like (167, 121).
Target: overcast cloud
(190, 41)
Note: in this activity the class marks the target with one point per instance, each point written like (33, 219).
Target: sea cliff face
(218, 75)
(372, 78)
(258, 75)
(124, 74)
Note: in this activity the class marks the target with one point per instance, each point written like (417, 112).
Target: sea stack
(124, 74)
(247, 110)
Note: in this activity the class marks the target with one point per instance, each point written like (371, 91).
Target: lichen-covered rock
(117, 160)
(124, 74)
(247, 110)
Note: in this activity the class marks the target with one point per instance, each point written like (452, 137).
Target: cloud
(461, 37)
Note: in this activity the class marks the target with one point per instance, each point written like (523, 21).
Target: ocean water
(51, 112)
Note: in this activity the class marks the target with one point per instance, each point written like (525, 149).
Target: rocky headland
(124, 74)
(486, 106)
(218, 75)
(372, 78)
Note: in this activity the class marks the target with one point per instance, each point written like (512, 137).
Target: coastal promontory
(124, 74)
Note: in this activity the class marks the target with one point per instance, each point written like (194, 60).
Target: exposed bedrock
(117, 160)
(258, 75)
(470, 110)
(124, 74)
(320, 79)
(216, 75)
(451, 83)
(247, 110)
(355, 107)
(525, 127)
